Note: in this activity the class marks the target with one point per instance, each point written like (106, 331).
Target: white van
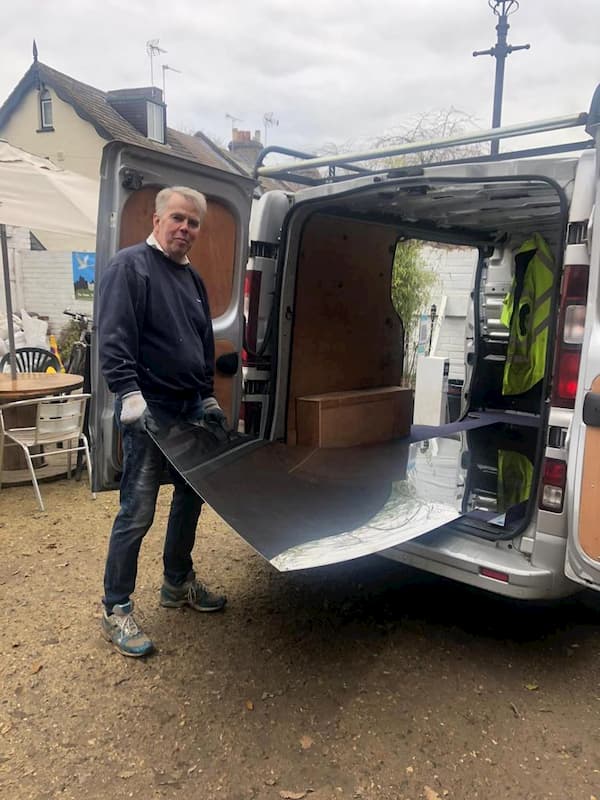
(318, 470)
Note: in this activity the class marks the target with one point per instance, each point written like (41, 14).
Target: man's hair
(194, 197)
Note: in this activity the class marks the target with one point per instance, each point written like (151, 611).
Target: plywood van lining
(347, 336)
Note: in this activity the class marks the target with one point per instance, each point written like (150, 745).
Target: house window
(156, 122)
(46, 110)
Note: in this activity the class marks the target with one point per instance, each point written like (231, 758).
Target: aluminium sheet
(302, 508)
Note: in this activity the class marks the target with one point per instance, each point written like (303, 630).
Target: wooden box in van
(347, 419)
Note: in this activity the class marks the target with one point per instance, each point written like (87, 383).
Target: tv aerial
(233, 121)
(164, 68)
(153, 50)
(269, 121)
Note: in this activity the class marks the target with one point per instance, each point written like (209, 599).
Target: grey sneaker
(191, 593)
(120, 628)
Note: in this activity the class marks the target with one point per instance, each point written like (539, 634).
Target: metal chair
(31, 359)
(58, 420)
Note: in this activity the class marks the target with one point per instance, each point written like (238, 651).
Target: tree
(423, 127)
(412, 287)
(437, 124)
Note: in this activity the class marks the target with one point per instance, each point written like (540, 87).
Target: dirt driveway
(366, 681)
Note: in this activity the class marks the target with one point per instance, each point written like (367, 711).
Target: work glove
(133, 408)
(213, 414)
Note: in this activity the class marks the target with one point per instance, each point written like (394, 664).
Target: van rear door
(130, 179)
(583, 471)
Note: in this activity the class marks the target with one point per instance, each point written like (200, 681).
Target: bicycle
(78, 362)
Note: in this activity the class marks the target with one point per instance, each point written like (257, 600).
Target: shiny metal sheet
(302, 508)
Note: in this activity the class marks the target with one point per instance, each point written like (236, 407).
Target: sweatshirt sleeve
(122, 298)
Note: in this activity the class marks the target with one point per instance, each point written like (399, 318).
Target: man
(157, 354)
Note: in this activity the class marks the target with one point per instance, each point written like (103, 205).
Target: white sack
(35, 330)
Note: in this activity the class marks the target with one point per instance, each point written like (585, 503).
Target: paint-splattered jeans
(143, 468)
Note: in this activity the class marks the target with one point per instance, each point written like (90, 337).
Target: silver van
(309, 346)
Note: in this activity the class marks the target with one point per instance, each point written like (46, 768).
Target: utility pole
(502, 9)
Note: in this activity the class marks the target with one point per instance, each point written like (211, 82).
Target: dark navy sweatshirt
(154, 326)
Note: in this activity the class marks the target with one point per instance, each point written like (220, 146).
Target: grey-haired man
(157, 354)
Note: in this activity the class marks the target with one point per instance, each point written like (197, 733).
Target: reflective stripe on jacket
(529, 320)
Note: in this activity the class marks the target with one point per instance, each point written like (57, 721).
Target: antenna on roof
(153, 49)
(35, 51)
(233, 121)
(269, 121)
(164, 68)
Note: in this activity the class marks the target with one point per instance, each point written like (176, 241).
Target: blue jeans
(143, 467)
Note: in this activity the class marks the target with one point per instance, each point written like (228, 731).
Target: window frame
(155, 122)
(45, 103)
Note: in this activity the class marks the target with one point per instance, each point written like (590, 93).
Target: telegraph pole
(502, 9)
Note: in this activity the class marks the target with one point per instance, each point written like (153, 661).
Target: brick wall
(41, 281)
(47, 279)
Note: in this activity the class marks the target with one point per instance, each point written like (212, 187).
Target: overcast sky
(329, 71)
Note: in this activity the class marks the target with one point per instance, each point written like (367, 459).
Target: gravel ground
(367, 680)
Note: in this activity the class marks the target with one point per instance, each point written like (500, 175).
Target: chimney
(143, 108)
(244, 148)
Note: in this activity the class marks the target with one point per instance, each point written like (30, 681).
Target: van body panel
(459, 558)
(582, 562)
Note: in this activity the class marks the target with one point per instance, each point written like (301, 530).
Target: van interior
(339, 332)
(340, 472)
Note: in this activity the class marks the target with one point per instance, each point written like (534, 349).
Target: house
(55, 116)
(69, 122)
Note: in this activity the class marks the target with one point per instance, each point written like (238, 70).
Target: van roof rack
(305, 170)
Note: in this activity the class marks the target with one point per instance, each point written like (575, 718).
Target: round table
(28, 386)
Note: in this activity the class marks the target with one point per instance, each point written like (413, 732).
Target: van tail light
(251, 303)
(554, 480)
(571, 325)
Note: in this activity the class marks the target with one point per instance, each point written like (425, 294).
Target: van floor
(302, 507)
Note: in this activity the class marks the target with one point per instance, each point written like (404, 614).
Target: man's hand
(133, 408)
(213, 414)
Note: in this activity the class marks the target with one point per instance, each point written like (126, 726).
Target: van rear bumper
(461, 557)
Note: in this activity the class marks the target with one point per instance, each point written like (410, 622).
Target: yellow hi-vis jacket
(515, 478)
(529, 321)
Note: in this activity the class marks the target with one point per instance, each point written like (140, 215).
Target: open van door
(583, 472)
(131, 177)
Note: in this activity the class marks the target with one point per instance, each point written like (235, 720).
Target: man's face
(176, 229)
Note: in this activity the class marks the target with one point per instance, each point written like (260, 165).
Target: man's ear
(155, 219)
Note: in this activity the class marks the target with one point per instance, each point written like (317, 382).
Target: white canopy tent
(35, 193)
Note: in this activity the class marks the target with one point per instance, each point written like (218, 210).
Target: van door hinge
(577, 232)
